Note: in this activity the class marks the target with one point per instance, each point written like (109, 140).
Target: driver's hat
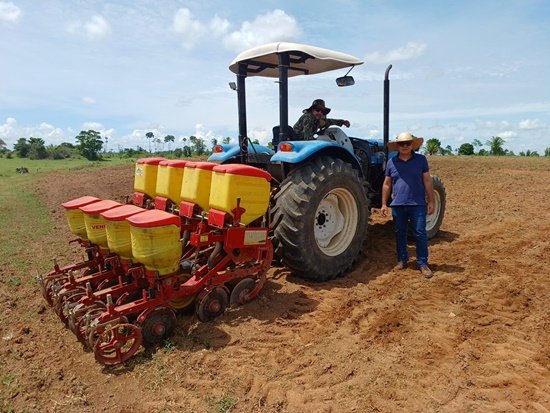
(318, 104)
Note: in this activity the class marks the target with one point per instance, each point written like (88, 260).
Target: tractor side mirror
(345, 81)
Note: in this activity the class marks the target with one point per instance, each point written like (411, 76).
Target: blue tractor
(323, 189)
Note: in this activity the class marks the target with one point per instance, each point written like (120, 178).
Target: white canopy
(318, 60)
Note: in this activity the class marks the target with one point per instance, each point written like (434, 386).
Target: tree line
(495, 147)
(91, 145)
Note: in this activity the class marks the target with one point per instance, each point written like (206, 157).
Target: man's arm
(429, 187)
(338, 122)
(386, 191)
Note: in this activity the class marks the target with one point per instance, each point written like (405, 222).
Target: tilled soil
(474, 338)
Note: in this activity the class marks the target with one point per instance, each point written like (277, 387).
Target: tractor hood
(304, 60)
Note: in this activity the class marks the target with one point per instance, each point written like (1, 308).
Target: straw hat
(406, 137)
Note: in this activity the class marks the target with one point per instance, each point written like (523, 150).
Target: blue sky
(461, 69)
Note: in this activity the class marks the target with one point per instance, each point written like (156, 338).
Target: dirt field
(474, 338)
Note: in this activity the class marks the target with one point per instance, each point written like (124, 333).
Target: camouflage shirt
(307, 126)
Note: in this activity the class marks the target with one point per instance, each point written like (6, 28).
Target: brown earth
(474, 338)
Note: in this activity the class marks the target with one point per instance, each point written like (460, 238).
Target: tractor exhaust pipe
(387, 110)
(241, 104)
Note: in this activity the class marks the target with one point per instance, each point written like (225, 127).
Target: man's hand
(346, 123)
(384, 210)
(431, 207)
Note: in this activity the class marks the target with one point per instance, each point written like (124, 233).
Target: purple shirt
(408, 180)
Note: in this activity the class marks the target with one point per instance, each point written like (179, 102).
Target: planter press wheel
(63, 304)
(74, 316)
(241, 291)
(157, 326)
(117, 344)
(48, 285)
(91, 328)
(211, 304)
(44, 285)
(84, 320)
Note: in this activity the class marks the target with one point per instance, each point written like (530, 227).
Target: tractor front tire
(319, 219)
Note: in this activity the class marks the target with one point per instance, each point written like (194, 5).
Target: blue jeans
(416, 215)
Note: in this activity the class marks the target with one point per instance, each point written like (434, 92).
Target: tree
(214, 142)
(531, 153)
(226, 140)
(169, 139)
(89, 144)
(2, 144)
(157, 143)
(447, 151)
(149, 136)
(495, 145)
(21, 147)
(433, 146)
(198, 145)
(483, 152)
(547, 152)
(37, 148)
(58, 152)
(466, 149)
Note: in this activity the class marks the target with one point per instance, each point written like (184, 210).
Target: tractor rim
(431, 220)
(335, 222)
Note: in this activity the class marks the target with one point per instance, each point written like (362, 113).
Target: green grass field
(23, 226)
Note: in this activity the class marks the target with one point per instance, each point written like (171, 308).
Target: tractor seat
(290, 135)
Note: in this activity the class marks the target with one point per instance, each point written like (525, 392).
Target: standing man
(409, 182)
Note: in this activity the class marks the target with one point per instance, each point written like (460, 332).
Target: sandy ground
(474, 338)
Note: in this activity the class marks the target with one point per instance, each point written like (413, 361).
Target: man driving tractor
(313, 119)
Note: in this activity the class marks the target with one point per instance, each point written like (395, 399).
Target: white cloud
(9, 12)
(96, 28)
(411, 50)
(190, 29)
(89, 100)
(99, 127)
(11, 131)
(203, 132)
(219, 26)
(92, 125)
(269, 27)
(508, 135)
(8, 128)
(531, 124)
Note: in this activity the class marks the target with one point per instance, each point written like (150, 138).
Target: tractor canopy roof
(304, 60)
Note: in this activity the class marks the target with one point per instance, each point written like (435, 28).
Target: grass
(224, 404)
(23, 222)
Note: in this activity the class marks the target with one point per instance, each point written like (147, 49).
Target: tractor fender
(306, 150)
(232, 150)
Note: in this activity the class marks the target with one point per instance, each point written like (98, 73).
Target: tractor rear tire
(433, 222)
(319, 219)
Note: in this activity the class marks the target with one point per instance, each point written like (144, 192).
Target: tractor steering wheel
(323, 129)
